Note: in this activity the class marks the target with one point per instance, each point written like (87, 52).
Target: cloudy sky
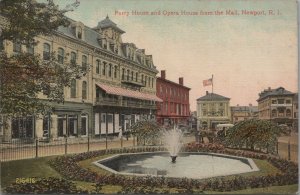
(245, 53)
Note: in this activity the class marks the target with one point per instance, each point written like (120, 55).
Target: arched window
(123, 73)
(73, 58)
(152, 82)
(79, 33)
(84, 62)
(128, 73)
(136, 76)
(149, 81)
(17, 46)
(60, 55)
(110, 70)
(30, 48)
(142, 78)
(46, 52)
(115, 71)
(104, 68)
(73, 88)
(84, 124)
(146, 81)
(84, 90)
(132, 75)
(98, 66)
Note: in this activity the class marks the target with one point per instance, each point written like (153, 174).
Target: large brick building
(119, 89)
(175, 108)
(279, 106)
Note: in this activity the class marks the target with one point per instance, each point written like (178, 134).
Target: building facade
(241, 113)
(213, 109)
(279, 106)
(175, 108)
(119, 89)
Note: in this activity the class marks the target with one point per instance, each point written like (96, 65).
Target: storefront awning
(128, 93)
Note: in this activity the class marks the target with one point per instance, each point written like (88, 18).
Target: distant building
(241, 113)
(213, 109)
(278, 105)
(295, 112)
(175, 108)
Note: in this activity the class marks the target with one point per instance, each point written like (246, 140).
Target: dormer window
(79, 33)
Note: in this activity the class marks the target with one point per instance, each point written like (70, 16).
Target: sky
(245, 53)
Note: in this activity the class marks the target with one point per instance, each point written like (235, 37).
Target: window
(142, 78)
(146, 81)
(115, 71)
(288, 113)
(84, 90)
(79, 33)
(73, 88)
(132, 75)
(60, 55)
(149, 81)
(104, 68)
(73, 58)
(84, 63)
(123, 73)
(110, 70)
(128, 73)
(98, 66)
(274, 101)
(287, 101)
(62, 125)
(152, 82)
(221, 104)
(17, 46)
(109, 118)
(103, 118)
(22, 127)
(84, 124)
(280, 112)
(136, 76)
(46, 126)
(280, 101)
(30, 48)
(46, 52)
(72, 125)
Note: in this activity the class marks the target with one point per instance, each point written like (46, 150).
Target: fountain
(173, 142)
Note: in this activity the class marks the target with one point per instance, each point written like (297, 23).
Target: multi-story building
(213, 109)
(241, 113)
(295, 113)
(119, 89)
(175, 108)
(277, 105)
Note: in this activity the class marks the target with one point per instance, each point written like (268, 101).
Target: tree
(146, 131)
(25, 76)
(253, 134)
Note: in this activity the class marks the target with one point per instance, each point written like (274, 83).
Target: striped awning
(128, 93)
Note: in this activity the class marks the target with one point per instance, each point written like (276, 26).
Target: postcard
(149, 97)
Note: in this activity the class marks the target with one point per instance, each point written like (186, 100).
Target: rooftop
(212, 96)
(273, 92)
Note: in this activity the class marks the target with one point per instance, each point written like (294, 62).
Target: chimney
(163, 74)
(206, 92)
(180, 80)
(269, 88)
(250, 105)
(237, 105)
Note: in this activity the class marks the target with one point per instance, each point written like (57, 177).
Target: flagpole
(212, 83)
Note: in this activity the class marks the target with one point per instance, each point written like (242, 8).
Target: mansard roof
(274, 92)
(212, 96)
(106, 23)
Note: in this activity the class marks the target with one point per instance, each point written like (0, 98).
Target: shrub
(44, 186)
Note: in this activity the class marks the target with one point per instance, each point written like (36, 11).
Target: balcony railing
(133, 82)
(124, 103)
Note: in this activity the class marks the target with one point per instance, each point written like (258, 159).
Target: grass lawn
(40, 168)
(26, 169)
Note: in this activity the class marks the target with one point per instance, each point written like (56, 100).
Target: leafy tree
(146, 131)
(25, 76)
(253, 134)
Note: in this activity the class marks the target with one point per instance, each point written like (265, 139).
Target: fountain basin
(190, 165)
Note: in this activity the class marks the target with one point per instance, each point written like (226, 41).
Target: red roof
(128, 93)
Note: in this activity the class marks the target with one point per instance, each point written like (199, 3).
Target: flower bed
(44, 186)
(69, 168)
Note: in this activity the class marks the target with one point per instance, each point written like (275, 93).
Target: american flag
(207, 82)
